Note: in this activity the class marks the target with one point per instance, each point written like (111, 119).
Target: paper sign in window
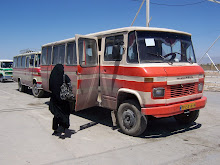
(149, 42)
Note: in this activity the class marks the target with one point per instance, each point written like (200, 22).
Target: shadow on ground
(164, 127)
(29, 92)
(157, 128)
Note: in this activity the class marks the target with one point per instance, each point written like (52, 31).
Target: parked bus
(27, 72)
(6, 71)
(136, 72)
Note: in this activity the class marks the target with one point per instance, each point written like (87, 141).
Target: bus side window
(19, 62)
(35, 61)
(38, 56)
(32, 61)
(23, 61)
(114, 48)
(49, 51)
(44, 56)
(15, 62)
(132, 56)
(27, 61)
(88, 55)
(71, 54)
(58, 54)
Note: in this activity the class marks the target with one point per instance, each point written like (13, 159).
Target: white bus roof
(125, 29)
(6, 60)
(29, 53)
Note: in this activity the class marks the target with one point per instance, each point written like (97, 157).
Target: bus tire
(37, 92)
(20, 87)
(130, 118)
(187, 118)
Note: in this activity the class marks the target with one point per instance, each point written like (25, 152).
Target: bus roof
(6, 60)
(29, 53)
(125, 29)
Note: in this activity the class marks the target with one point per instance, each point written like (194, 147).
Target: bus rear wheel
(188, 117)
(37, 92)
(130, 118)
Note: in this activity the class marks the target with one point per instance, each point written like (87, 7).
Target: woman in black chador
(58, 107)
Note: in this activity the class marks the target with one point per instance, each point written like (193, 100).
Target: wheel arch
(128, 94)
(34, 81)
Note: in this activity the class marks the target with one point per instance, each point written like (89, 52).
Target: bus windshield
(6, 64)
(164, 47)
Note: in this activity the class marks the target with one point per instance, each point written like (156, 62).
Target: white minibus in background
(26, 68)
(6, 71)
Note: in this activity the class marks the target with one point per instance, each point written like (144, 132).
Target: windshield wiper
(183, 55)
(158, 55)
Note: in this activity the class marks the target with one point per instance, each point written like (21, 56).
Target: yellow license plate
(187, 106)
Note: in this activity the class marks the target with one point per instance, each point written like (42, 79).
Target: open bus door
(87, 72)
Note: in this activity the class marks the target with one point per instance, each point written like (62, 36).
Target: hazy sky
(32, 23)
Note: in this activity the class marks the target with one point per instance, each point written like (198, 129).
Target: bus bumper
(7, 77)
(175, 109)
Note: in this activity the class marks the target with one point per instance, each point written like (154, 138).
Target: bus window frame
(66, 50)
(27, 61)
(52, 53)
(77, 37)
(41, 58)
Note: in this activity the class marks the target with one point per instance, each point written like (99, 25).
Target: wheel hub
(36, 90)
(129, 118)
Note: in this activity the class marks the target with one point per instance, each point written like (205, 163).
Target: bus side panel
(87, 87)
(19, 73)
(36, 75)
(71, 72)
(45, 78)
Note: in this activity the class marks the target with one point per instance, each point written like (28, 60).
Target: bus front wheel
(130, 118)
(37, 92)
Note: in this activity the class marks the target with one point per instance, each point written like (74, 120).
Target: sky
(32, 23)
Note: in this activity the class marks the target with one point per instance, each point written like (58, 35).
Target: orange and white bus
(134, 71)
(26, 69)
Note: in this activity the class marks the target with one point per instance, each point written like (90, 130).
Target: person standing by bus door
(58, 107)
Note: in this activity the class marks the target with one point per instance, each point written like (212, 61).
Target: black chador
(58, 107)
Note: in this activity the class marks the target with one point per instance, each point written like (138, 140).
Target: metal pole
(137, 12)
(212, 62)
(147, 12)
(209, 48)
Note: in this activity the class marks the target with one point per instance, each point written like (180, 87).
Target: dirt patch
(212, 81)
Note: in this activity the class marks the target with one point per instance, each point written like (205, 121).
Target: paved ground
(25, 136)
(212, 81)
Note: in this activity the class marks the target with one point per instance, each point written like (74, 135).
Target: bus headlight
(158, 92)
(200, 87)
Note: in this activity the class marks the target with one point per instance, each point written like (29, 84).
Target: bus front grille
(182, 90)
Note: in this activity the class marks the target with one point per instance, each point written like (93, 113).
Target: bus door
(36, 69)
(87, 72)
(30, 70)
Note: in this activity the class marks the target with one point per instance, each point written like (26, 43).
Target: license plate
(187, 106)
